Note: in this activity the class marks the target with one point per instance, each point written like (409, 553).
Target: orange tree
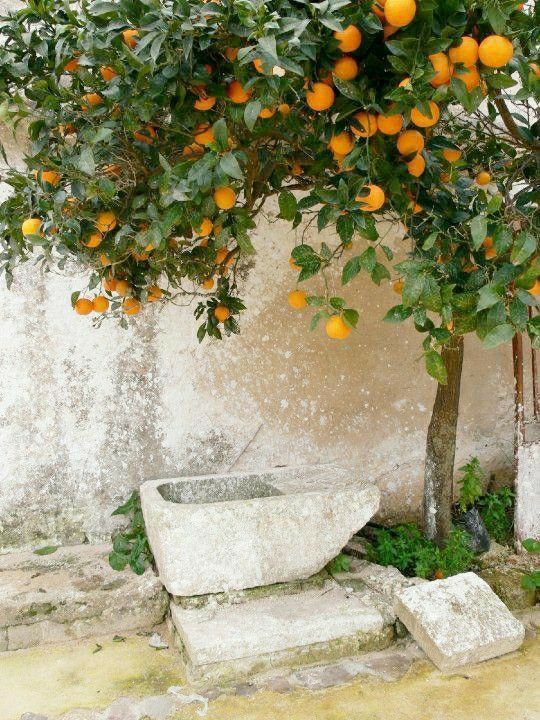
(159, 128)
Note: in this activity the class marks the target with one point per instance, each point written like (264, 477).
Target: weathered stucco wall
(88, 414)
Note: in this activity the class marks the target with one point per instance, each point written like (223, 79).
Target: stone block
(217, 533)
(527, 515)
(458, 621)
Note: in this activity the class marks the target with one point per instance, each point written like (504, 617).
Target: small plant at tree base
(341, 563)
(531, 581)
(130, 545)
(496, 510)
(470, 484)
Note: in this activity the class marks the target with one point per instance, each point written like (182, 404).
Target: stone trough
(217, 533)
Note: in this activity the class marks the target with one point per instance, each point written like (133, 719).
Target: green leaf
(118, 561)
(436, 367)
(500, 334)
(531, 581)
(487, 297)
(524, 247)
(351, 317)
(251, 113)
(479, 226)
(229, 164)
(379, 273)
(221, 134)
(398, 314)
(47, 550)
(351, 269)
(287, 205)
(412, 289)
(519, 315)
(368, 259)
(86, 162)
(531, 545)
(430, 241)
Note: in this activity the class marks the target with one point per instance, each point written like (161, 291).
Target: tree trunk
(441, 447)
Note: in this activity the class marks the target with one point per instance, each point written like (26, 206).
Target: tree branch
(512, 127)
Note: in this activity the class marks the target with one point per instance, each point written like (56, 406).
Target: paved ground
(128, 680)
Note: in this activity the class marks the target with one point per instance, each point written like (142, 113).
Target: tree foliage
(143, 109)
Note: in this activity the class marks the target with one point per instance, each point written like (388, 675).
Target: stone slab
(527, 515)
(217, 533)
(73, 593)
(458, 621)
(227, 642)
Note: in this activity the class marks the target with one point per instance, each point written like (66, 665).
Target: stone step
(226, 643)
(73, 593)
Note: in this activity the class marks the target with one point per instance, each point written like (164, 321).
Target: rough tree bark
(441, 447)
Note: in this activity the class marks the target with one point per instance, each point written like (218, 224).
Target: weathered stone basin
(216, 533)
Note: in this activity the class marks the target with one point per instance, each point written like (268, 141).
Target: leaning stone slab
(218, 533)
(458, 621)
(229, 642)
(73, 593)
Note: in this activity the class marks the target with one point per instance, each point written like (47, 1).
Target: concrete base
(73, 593)
(225, 643)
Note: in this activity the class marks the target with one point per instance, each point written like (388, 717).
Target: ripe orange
(374, 200)
(389, 30)
(535, 290)
(346, 68)
(399, 12)
(409, 142)
(441, 65)
(130, 37)
(495, 51)
(297, 299)
(224, 197)
(451, 155)
(109, 284)
(107, 73)
(336, 328)
(48, 176)
(154, 293)
(31, 226)
(221, 313)
(258, 65)
(293, 265)
(94, 240)
(488, 241)
(367, 123)
(83, 306)
(191, 151)
(104, 260)
(205, 228)
(145, 135)
(205, 103)
(349, 39)
(445, 177)
(398, 286)
(377, 8)
(483, 178)
(106, 221)
(466, 52)
(100, 304)
(423, 121)
(267, 113)
(320, 97)
(90, 100)
(231, 53)
(390, 124)
(342, 143)
(284, 108)
(122, 287)
(470, 76)
(490, 253)
(236, 92)
(296, 169)
(208, 283)
(71, 65)
(405, 82)
(204, 135)
(131, 306)
(416, 166)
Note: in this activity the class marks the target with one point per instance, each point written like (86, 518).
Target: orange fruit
(83, 306)
(409, 142)
(258, 65)
(483, 178)
(470, 76)
(66, 129)
(145, 135)
(205, 103)
(154, 293)
(495, 51)
(390, 124)
(31, 226)
(389, 30)
(490, 253)
(336, 328)
(441, 65)
(221, 313)
(379, 12)
(535, 290)
(236, 92)
(205, 228)
(488, 241)
(71, 65)
(267, 113)
(297, 299)
(48, 176)
(192, 151)
(445, 177)
(293, 265)
(106, 221)
(107, 73)
(416, 166)
(346, 68)
(320, 97)
(451, 155)
(94, 240)
(466, 52)
(100, 304)
(423, 121)
(224, 197)
(122, 287)
(104, 260)
(112, 170)
(341, 144)
(231, 53)
(399, 12)
(204, 135)
(405, 82)
(90, 100)
(130, 37)
(221, 255)
(284, 108)
(296, 169)
(374, 200)
(208, 283)
(367, 123)
(398, 286)
(349, 39)
(109, 284)
(131, 306)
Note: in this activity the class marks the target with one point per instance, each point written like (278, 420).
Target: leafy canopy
(179, 119)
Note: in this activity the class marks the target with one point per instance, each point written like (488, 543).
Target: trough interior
(217, 489)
